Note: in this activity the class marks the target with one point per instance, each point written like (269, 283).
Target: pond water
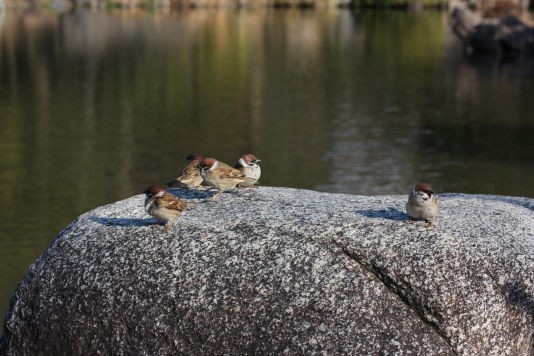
(96, 106)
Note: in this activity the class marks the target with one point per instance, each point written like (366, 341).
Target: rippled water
(94, 107)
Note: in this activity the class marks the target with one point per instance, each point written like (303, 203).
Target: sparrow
(221, 176)
(422, 203)
(162, 205)
(248, 165)
(190, 177)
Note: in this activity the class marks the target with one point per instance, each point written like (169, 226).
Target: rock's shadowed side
(274, 270)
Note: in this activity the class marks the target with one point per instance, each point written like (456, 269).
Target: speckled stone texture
(277, 270)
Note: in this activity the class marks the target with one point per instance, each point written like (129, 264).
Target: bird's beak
(257, 161)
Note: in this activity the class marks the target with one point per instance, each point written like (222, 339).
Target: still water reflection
(94, 107)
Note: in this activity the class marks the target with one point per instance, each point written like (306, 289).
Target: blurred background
(99, 101)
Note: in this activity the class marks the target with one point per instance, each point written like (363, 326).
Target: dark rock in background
(507, 35)
(275, 270)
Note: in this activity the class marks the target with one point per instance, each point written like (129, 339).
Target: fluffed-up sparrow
(422, 203)
(248, 165)
(221, 176)
(162, 205)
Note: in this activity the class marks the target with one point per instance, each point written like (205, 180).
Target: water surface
(94, 107)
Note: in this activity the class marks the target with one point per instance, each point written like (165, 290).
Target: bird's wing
(190, 170)
(169, 201)
(225, 171)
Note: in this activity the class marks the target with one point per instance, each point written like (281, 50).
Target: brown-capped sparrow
(220, 175)
(162, 205)
(248, 165)
(190, 177)
(422, 203)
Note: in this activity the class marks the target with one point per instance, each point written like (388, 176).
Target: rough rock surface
(275, 270)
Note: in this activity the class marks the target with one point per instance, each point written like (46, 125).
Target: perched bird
(190, 177)
(422, 203)
(162, 205)
(248, 165)
(221, 176)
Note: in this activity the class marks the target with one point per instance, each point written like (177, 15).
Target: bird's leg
(157, 223)
(430, 223)
(216, 195)
(168, 225)
(410, 220)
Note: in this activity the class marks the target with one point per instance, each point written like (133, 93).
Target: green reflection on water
(94, 107)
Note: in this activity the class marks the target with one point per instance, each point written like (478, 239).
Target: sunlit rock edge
(270, 270)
